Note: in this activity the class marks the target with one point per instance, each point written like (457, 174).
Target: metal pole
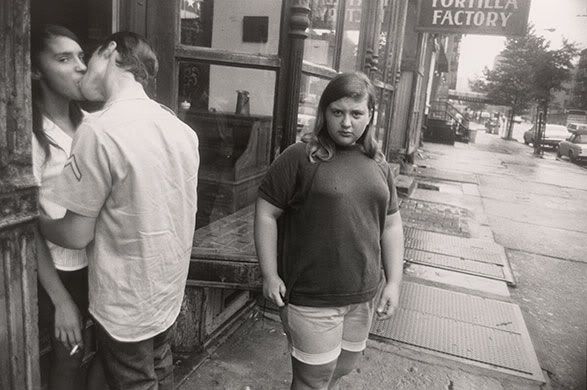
(538, 134)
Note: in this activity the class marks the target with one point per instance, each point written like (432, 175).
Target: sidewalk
(457, 327)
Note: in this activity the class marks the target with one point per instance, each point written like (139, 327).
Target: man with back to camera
(131, 200)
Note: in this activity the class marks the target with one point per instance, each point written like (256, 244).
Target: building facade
(246, 76)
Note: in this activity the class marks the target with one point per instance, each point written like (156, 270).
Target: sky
(478, 51)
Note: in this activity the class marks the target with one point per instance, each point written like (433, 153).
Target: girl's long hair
(39, 39)
(355, 85)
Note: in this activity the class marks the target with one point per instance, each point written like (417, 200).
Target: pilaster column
(298, 23)
(19, 359)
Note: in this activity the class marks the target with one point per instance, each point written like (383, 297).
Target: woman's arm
(266, 216)
(68, 322)
(392, 253)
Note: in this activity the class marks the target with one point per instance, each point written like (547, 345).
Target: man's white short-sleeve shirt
(134, 167)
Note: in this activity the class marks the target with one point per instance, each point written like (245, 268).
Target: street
(537, 208)
(518, 135)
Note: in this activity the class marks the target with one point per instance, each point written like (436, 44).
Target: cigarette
(74, 350)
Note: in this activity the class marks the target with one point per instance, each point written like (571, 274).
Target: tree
(552, 69)
(526, 72)
(478, 84)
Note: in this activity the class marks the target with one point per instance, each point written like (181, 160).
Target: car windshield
(581, 139)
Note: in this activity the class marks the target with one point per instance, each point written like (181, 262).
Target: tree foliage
(527, 72)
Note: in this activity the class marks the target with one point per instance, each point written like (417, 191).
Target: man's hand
(389, 301)
(68, 324)
(274, 290)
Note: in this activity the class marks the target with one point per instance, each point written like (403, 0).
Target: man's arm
(73, 231)
(392, 253)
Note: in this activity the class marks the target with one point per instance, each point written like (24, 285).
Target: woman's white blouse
(46, 173)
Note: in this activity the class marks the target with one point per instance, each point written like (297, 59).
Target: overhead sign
(484, 17)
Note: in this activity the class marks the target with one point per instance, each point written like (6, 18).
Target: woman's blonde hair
(356, 85)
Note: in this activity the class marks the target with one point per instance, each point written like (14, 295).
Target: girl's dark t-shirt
(330, 231)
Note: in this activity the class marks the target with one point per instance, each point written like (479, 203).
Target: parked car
(517, 119)
(577, 127)
(575, 147)
(553, 134)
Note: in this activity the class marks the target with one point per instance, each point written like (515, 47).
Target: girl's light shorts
(317, 335)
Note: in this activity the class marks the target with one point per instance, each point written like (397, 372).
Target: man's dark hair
(136, 55)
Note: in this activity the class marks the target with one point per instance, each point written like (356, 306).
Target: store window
(243, 26)
(381, 118)
(310, 92)
(227, 73)
(349, 53)
(230, 108)
(320, 45)
(385, 41)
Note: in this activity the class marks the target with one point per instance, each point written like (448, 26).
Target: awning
(475, 97)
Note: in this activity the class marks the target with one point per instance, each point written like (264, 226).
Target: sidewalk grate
(436, 217)
(453, 263)
(466, 248)
(456, 325)
(433, 173)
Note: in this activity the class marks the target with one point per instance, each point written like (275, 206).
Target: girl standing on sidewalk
(335, 199)
(57, 67)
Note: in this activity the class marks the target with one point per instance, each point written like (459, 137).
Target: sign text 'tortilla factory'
(494, 17)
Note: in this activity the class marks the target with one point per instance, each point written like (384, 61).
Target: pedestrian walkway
(476, 330)
(449, 332)
(469, 255)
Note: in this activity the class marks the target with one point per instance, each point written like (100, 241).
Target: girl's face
(347, 119)
(61, 67)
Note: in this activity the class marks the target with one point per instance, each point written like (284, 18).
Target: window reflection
(320, 44)
(385, 44)
(381, 118)
(350, 40)
(196, 26)
(310, 92)
(230, 108)
(244, 26)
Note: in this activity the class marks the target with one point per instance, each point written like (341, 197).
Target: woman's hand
(68, 324)
(389, 301)
(274, 290)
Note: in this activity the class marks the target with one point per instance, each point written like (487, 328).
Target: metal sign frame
(477, 17)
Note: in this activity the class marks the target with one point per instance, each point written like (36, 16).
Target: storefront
(246, 76)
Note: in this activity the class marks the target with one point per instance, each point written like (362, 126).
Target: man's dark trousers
(142, 365)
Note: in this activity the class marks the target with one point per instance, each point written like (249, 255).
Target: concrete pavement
(532, 207)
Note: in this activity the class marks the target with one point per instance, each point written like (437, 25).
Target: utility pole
(538, 134)
(510, 125)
